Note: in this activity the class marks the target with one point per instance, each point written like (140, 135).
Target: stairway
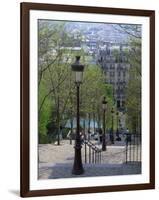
(61, 170)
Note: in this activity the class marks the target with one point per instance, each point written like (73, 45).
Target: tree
(54, 64)
(56, 54)
(57, 92)
(93, 89)
(134, 87)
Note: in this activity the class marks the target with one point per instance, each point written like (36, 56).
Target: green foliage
(133, 102)
(57, 92)
(93, 89)
(44, 116)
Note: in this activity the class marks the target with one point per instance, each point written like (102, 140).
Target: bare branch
(49, 93)
(125, 30)
(43, 70)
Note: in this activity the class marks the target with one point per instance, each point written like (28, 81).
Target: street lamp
(93, 113)
(58, 121)
(71, 112)
(78, 68)
(112, 132)
(104, 104)
(117, 130)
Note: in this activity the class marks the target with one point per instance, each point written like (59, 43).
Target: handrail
(94, 152)
(133, 147)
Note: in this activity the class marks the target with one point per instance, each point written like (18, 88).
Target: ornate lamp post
(104, 105)
(112, 132)
(93, 115)
(117, 130)
(71, 112)
(78, 68)
(58, 122)
(117, 119)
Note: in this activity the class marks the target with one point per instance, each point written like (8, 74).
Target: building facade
(113, 60)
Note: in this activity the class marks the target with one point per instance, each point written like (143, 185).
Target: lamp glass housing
(78, 76)
(104, 104)
(78, 69)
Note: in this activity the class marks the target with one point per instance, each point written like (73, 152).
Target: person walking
(100, 135)
(128, 136)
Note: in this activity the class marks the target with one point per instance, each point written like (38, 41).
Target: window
(118, 103)
(112, 74)
(123, 103)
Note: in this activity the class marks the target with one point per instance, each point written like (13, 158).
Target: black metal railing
(92, 153)
(133, 147)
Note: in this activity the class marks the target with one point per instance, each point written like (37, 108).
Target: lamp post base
(78, 171)
(77, 167)
(103, 144)
(103, 148)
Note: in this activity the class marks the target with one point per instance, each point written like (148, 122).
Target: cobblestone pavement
(57, 161)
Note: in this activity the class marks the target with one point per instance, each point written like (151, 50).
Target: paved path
(60, 170)
(51, 153)
(57, 161)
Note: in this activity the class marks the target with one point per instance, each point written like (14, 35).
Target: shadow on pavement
(63, 170)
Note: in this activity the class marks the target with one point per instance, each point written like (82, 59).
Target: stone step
(90, 165)
(63, 170)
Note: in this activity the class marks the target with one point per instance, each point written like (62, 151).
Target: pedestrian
(89, 134)
(69, 134)
(82, 136)
(100, 135)
(61, 137)
(128, 136)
